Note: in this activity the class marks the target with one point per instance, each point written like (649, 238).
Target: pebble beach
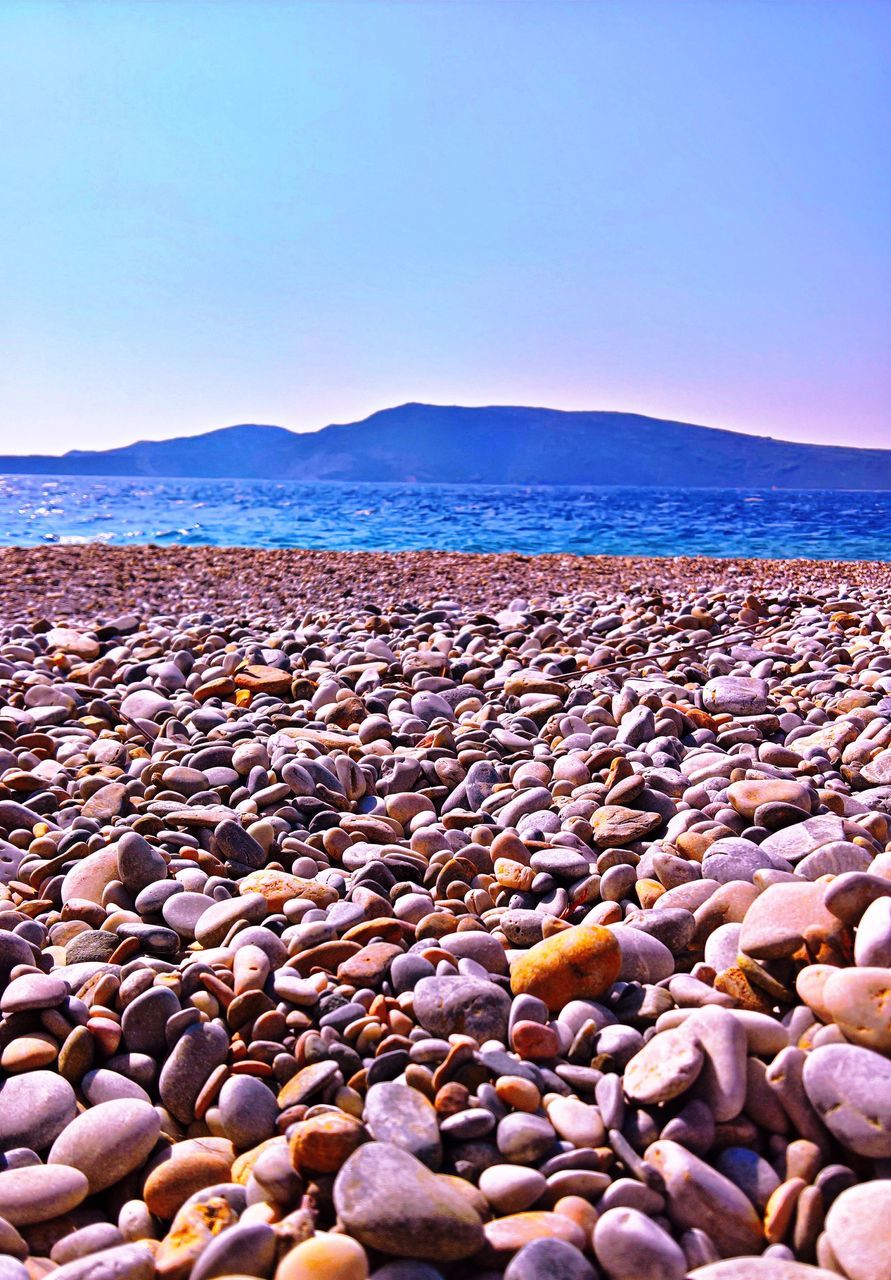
(432, 916)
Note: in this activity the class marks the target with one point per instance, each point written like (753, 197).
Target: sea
(67, 510)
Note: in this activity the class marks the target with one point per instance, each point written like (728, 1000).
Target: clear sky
(299, 213)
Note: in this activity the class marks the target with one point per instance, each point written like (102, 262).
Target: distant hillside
(496, 445)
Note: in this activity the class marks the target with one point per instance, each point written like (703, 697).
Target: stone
(643, 958)
(307, 1083)
(122, 1262)
(665, 1067)
(833, 859)
(321, 1143)
(578, 963)
(629, 1245)
(508, 1235)
(91, 1239)
(92, 944)
(199, 1049)
(462, 1005)
(391, 1202)
(776, 923)
(74, 643)
(475, 944)
(91, 876)
(523, 1138)
(106, 803)
(324, 1257)
(872, 945)
(858, 1225)
(848, 896)
(747, 797)
(403, 1117)
(735, 696)
(750, 1172)
(107, 1085)
(11, 859)
(732, 858)
(850, 1089)
(722, 1080)
(858, 1001)
(40, 1192)
(231, 841)
(511, 1188)
(258, 678)
(33, 991)
(25, 1053)
(34, 1109)
(877, 771)
(761, 1269)
(279, 888)
(245, 1248)
(370, 965)
(614, 824)
(699, 1196)
(138, 863)
(549, 1259)
(184, 1169)
(145, 704)
(248, 1111)
(577, 1122)
(145, 1019)
(796, 842)
(108, 1141)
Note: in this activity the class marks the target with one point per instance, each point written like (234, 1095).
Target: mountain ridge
(495, 444)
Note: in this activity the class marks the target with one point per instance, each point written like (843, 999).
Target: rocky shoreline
(433, 916)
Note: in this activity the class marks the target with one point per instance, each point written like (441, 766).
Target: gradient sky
(299, 213)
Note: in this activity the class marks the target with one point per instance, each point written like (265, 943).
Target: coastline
(91, 581)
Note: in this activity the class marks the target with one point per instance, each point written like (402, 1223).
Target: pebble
(760, 1269)
(34, 1109)
(462, 1006)
(391, 1202)
(872, 944)
(699, 1196)
(396, 1114)
(579, 963)
(123, 1262)
(525, 1139)
(37, 1193)
(183, 1170)
(549, 1260)
(326, 1257)
(244, 1247)
(643, 958)
(858, 1225)
(108, 1141)
(850, 1089)
(248, 1111)
(664, 1068)
(630, 1246)
(511, 1188)
(722, 1039)
(858, 1001)
(475, 933)
(201, 1047)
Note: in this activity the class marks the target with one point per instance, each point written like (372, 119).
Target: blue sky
(299, 213)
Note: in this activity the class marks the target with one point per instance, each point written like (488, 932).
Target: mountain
(494, 445)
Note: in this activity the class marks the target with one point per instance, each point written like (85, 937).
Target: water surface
(37, 510)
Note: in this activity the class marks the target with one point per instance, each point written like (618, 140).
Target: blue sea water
(46, 510)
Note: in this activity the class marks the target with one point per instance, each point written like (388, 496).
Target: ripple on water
(70, 510)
